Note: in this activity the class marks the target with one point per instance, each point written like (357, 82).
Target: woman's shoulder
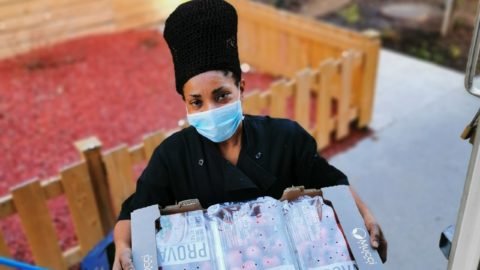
(274, 125)
(175, 141)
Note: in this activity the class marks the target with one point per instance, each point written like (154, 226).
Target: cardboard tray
(145, 223)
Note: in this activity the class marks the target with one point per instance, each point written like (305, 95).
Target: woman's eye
(196, 103)
(223, 96)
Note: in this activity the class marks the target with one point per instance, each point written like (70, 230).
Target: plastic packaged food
(251, 235)
(315, 233)
(183, 242)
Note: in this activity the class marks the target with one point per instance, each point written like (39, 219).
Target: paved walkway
(411, 172)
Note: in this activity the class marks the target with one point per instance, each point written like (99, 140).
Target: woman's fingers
(382, 249)
(374, 232)
(378, 240)
(126, 260)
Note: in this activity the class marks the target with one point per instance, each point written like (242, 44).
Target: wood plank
(251, 103)
(22, 8)
(4, 251)
(323, 88)
(29, 7)
(137, 154)
(52, 187)
(7, 207)
(299, 26)
(122, 7)
(343, 101)
(278, 99)
(293, 61)
(304, 80)
(119, 167)
(264, 101)
(90, 151)
(39, 230)
(23, 41)
(139, 20)
(356, 78)
(96, 11)
(54, 29)
(151, 141)
(369, 80)
(262, 48)
(73, 255)
(82, 205)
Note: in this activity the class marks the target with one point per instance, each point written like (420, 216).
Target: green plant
(455, 51)
(350, 14)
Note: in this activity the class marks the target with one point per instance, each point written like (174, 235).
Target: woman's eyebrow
(196, 95)
(217, 90)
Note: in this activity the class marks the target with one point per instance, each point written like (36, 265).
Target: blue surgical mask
(218, 124)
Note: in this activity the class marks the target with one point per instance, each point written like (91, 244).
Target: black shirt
(275, 154)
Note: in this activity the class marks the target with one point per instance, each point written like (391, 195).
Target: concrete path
(412, 171)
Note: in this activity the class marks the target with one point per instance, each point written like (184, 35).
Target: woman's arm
(123, 246)
(378, 240)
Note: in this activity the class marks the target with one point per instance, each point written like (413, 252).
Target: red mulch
(117, 87)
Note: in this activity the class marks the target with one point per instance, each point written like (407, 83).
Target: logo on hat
(359, 233)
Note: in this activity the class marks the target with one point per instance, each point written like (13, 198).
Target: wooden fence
(281, 43)
(329, 79)
(96, 187)
(29, 201)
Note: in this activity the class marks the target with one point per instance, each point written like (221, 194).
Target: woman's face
(210, 90)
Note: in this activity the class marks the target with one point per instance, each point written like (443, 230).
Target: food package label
(183, 242)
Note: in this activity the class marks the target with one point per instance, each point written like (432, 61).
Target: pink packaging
(316, 235)
(251, 235)
(183, 242)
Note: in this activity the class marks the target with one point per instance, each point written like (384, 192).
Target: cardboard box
(202, 250)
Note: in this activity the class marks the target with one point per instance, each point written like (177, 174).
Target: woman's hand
(377, 239)
(123, 250)
(123, 259)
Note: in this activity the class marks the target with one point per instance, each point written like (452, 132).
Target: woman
(224, 155)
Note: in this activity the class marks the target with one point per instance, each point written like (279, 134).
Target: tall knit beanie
(202, 36)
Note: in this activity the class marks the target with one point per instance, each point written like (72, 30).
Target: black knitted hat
(202, 36)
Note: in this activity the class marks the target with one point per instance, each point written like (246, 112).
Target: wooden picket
(31, 197)
(90, 151)
(151, 141)
(4, 252)
(118, 165)
(82, 205)
(323, 89)
(43, 241)
(304, 80)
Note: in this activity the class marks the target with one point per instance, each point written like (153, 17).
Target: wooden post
(447, 17)
(82, 204)
(119, 169)
(31, 206)
(90, 152)
(4, 252)
(151, 141)
(251, 103)
(344, 97)
(302, 98)
(324, 103)
(372, 50)
(278, 99)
